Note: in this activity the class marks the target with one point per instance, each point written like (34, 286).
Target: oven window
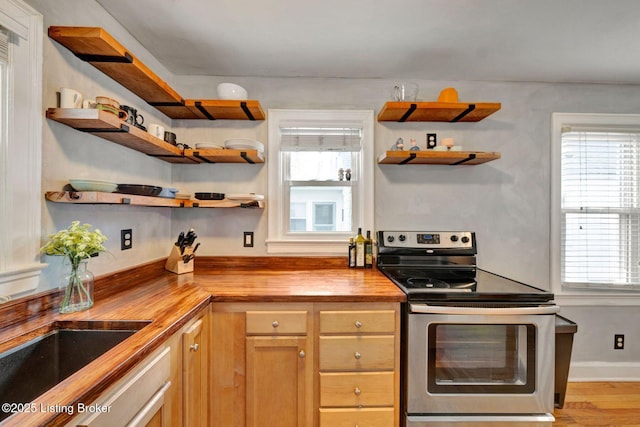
(481, 358)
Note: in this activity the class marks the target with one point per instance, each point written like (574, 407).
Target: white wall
(506, 202)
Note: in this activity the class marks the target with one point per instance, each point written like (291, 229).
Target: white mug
(70, 98)
(156, 130)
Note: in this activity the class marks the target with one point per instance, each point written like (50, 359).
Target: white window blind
(600, 213)
(320, 139)
(4, 45)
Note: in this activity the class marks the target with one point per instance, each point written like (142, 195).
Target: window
(596, 209)
(320, 179)
(20, 147)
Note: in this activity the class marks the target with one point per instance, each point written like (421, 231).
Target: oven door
(479, 361)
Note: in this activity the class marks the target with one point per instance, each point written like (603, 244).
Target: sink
(31, 368)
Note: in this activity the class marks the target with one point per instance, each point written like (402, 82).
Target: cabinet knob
(302, 354)
(358, 324)
(357, 355)
(194, 347)
(357, 391)
(275, 324)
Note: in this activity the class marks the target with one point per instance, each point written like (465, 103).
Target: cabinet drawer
(276, 322)
(357, 353)
(356, 389)
(369, 417)
(362, 321)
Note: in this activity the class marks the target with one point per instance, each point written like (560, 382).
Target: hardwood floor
(600, 404)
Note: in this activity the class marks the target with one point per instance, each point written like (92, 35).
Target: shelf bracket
(204, 159)
(408, 159)
(125, 201)
(126, 59)
(204, 111)
(410, 111)
(246, 158)
(167, 104)
(460, 116)
(246, 110)
(123, 128)
(459, 162)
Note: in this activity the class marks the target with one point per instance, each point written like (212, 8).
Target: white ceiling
(596, 41)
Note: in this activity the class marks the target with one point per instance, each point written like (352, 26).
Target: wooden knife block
(175, 264)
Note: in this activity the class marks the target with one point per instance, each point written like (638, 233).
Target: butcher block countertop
(169, 301)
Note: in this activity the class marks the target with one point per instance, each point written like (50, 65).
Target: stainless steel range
(478, 349)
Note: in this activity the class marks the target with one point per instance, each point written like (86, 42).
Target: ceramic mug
(170, 137)
(156, 130)
(70, 98)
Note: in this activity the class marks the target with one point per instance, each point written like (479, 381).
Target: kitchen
(506, 202)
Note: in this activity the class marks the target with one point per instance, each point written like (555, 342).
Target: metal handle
(357, 355)
(357, 391)
(358, 324)
(275, 324)
(432, 309)
(302, 354)
(194, 347)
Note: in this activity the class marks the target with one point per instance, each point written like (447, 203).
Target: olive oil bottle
(360, 249)
(368, 251)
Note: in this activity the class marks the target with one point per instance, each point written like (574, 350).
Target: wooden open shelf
(97, 47)
(213, 109)
(450, 158)
(108, 126)
(209, 155)
(436, 111)
(96, 197)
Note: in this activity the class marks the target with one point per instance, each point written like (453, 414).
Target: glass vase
(78, 288)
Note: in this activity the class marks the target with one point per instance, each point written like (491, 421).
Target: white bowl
(231, 91)
(93, 185)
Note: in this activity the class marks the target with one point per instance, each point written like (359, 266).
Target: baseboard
(604, 371)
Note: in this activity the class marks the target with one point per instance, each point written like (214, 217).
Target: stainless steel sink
(33, 367)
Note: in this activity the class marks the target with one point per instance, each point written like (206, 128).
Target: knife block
(175, 263)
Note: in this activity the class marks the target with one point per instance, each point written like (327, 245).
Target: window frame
(572, 295)
(20, 183)
(318, 243)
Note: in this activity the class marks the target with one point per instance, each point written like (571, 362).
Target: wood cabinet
(305, 364)
(139, 399)
(358, 366)
(195, 346)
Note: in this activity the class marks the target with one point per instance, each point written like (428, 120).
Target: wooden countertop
(169, 301)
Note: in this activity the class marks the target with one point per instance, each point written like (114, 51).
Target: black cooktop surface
(462, 286)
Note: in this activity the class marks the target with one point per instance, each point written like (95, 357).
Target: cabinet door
(194, 375)
(279, 382)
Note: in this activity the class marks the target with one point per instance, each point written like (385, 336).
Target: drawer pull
(194, 347)
(358, 324)
(275, 324)
(357, 355)
(357, 391)
(302, 354)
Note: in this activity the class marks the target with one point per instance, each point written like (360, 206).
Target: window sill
(605, 298)
(21, 279)
(307, 247)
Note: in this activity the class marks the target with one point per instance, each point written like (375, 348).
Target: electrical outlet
(248, 239)
(126, 239)
(618, 342)
(432, 140)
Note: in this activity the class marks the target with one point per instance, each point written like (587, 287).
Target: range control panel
(427, 239)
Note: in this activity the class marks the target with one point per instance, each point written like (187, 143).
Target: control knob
(465, 239)
(454, 238)
(390, 239)
(402, 237)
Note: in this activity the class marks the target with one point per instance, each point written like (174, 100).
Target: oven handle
(490, 311)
